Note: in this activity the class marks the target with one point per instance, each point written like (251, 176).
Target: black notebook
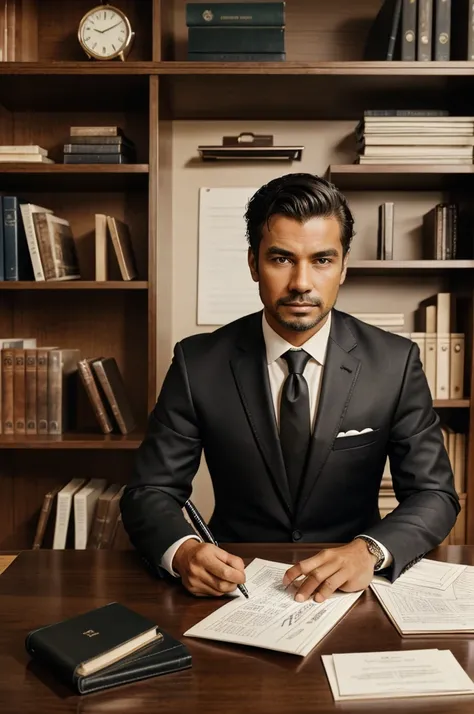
(106, 647)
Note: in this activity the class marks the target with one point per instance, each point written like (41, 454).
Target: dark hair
(301, 197)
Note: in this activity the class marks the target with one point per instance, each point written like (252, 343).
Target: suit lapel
(340, 373)
(250, 370)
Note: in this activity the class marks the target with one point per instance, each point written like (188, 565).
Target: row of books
(422, 30)
(456, 447)
(84, 513)
(431, 137)
(18, 31)
(439, 232)
(98, 145)
(40, 390)
(442, 350)
(36, 244)
(236, 32)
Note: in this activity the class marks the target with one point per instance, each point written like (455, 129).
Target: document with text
(431, 597)
(271, 618)
(382, 675)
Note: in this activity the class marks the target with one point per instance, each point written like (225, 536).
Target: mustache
(316, 302)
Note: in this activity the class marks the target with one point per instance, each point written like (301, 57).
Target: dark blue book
(236, 39)
(235, 13)
(236, 56)
(17, 261)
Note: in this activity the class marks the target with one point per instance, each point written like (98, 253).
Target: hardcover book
(105, 647)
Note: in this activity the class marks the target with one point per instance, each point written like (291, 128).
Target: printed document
(379, 675)
(271, 618)
(226, 290)
(431, 597)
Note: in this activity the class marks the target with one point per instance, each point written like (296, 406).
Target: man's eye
(323, 261)
(280, 260)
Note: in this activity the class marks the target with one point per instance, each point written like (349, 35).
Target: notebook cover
(62, 647)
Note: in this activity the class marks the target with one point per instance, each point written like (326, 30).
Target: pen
(205, 533)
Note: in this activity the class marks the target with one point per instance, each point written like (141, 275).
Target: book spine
(10, 235)
(19, 396)
(44, 245)
(97, 149)
(470, 31)
(54, 392)
(231, 39)
(236, 56)
(392, 40)
(96, 159)
(425, 30)
(256, 13)
(32, 242)
(409, 13)
(406, 113)
(95, 399)
(7, 391)
(30, 391)
(42, 391)
(109, 393)
(442, 40)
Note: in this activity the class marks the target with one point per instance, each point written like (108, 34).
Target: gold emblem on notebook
(90, 633)
(207, 15)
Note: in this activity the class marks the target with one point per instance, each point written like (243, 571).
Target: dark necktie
(295, 422)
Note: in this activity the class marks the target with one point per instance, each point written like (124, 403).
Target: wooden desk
(42, 587)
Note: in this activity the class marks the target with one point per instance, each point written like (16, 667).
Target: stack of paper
(429, 598)
(271, 618)
(385, 675)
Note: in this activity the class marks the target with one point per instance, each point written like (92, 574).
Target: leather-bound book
(110, 379)
(96, 399)
(106, 647)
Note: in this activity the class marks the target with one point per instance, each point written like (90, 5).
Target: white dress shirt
(276, 346)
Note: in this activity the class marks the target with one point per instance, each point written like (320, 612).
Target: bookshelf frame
(151, 89)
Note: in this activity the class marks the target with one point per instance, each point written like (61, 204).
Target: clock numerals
(104, 50)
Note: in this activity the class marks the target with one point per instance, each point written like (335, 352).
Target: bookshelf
(166, 105)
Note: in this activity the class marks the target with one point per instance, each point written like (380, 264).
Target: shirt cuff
(388, 559)
(168, 555)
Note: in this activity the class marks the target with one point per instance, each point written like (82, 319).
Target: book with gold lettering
(106, 647)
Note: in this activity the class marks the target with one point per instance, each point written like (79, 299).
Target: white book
(85, 503)
(23, 149)
(63, 512)
(27, 210)
(29, 158)
(417, 140)
(271, 618)
(431, 150)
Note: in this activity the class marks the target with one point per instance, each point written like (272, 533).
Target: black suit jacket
(216, 397)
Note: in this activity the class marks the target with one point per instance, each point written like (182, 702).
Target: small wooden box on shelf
(323, 80)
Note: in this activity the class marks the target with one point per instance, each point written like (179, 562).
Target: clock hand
(112, 26)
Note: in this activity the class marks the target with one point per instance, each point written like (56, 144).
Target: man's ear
(345, 261)
(252, 265)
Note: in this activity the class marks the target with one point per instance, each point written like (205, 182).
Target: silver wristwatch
(375, 549)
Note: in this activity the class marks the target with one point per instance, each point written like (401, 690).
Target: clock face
(104, 32)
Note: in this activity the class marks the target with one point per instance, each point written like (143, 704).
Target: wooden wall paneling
(163, 36)
(6, 498)
(153, 213)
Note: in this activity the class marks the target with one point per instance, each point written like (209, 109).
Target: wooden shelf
(74, 285)
(23, 176)
(451, 403)
(400, 176)
(407, 267)
(72, 441)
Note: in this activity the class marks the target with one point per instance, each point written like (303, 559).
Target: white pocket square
(353, 432)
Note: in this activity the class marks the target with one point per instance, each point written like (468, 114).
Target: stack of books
(236, 32)
(32, 153)
(414, 137)
(98, 145)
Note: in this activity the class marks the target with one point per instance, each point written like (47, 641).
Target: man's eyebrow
(327, 253)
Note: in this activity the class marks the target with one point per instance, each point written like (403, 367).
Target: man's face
(300, 270)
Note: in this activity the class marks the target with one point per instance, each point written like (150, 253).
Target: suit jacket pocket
(356, 440)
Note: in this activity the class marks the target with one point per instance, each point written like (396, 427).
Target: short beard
(297, 326)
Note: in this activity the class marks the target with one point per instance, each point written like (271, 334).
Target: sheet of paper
(271, 618)
(226, 290)
(432, 573)
(444, 605)
(414, 673)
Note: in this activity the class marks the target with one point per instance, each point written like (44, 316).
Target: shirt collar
(276, 346)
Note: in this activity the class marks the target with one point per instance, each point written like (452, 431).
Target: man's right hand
(206, 569)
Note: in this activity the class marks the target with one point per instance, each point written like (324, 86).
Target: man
(296, 408)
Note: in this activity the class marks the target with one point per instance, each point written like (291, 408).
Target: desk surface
(42, 587)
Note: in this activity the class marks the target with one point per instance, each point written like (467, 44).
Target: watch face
(104, 32)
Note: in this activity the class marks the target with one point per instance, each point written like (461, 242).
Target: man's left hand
(349, 568)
